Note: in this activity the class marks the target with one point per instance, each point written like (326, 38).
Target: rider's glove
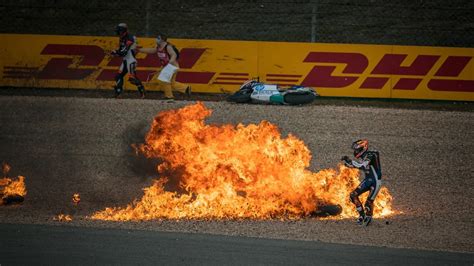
(345, 158)
(347, 161)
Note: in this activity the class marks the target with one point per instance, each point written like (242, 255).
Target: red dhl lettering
(321, 76)
(92, 56)
(452, 67)
(389, 64)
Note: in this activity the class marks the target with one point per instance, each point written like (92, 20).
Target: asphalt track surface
(67, 245)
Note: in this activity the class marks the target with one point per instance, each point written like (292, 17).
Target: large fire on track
(234, 172)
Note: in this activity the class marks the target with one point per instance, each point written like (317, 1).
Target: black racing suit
(126, 50)
(370, 164)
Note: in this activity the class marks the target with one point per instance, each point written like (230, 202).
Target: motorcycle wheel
(327, 210)
(299, 98)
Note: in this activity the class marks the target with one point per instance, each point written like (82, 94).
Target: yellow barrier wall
(352, 70)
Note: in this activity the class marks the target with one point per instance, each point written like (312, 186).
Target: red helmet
(360, 147)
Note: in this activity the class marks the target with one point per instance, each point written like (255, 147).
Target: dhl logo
(91, 65)
(92, 56)
(389, 64)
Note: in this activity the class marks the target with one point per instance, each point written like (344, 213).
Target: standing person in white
(168, 55)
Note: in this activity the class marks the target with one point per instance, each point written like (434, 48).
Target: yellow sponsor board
(348, 70)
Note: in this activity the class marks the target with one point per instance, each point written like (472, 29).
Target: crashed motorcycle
(259, 92)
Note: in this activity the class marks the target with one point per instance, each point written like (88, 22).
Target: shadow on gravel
(146, 168)
(139, 165)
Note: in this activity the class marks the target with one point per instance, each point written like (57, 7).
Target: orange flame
(76, 198)
(228, 172)
(63, 218)
(11, 187)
